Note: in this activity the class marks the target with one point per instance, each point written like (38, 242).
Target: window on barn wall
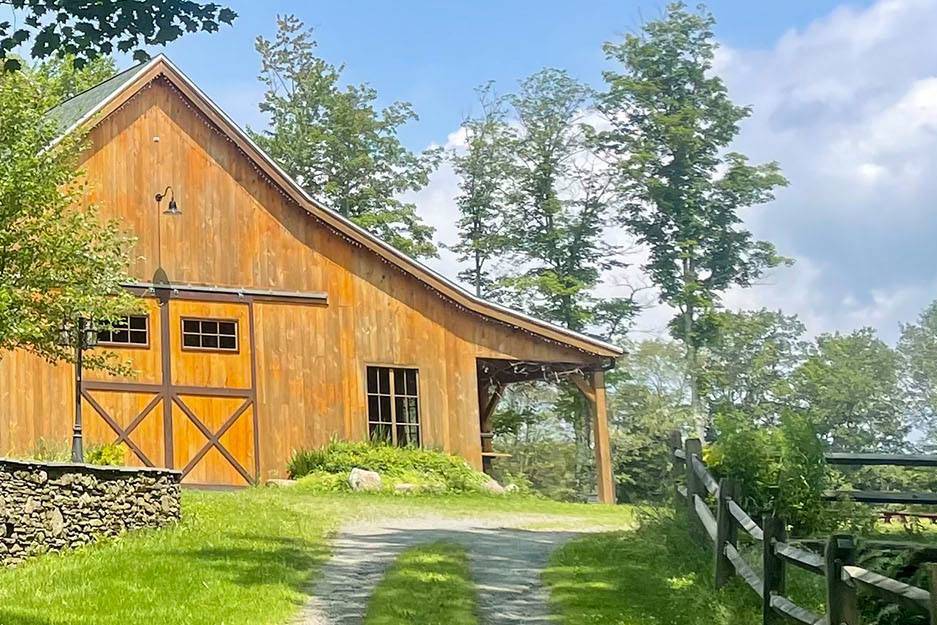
(132, 330)
(210, 334)
(394, 406)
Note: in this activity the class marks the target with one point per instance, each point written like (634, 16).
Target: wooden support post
(726, 531)
(676, 467)
(489, 395)
(775, 577)
(603, 450)
(694, 486)
(842, 607)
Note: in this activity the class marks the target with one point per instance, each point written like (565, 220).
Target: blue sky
(844, 96)
(433, 54)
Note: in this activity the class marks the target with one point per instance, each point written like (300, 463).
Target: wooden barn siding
(236, 229)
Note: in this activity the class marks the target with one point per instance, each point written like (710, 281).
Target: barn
(269, 322)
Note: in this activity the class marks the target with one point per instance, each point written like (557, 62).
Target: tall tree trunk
(692, 360)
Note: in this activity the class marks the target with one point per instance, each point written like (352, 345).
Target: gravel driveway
(505, 563)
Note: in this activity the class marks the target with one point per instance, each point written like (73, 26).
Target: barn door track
(506, 564)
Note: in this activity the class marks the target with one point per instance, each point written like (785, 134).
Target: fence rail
(719, 527)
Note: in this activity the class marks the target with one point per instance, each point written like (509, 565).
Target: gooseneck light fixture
(173, 208)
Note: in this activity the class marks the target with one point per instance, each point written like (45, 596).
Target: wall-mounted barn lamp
(173, 208)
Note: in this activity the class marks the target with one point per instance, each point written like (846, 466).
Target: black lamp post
(81, 334)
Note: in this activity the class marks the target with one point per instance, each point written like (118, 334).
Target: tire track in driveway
(506, 564)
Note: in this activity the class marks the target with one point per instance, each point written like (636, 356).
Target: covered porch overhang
(495, 374)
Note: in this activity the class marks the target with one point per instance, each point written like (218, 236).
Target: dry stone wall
(52, 506)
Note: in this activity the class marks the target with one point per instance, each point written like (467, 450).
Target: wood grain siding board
(242, 231)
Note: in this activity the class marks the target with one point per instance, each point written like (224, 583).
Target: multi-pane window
(211, 334)
(132, 330)
(394, 406)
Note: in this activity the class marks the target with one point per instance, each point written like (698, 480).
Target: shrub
(781, 470)
(398, 464)
(107, 454)
(546, 467)
(46, 450)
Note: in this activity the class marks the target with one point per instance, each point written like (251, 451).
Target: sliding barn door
(191, 406)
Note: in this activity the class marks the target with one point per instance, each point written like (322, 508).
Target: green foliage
(58, 258)
(546, 467)
(917, 350)
(849, 387)
(647, 399)
(781, 470)
(335, 142)
(560, 210)
(485, 169)
(400, 464)
(106, 454)
(671, 125)
(47, 450)
(542, 453)
(430, 584)
(87, 30)
(748, 360)
(59, 79)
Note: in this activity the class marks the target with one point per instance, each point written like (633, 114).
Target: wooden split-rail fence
(845, 582)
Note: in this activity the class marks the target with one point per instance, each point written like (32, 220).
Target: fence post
(726, 531)
(694, 486)
(676, 442)
(775, 577)
(841, 600)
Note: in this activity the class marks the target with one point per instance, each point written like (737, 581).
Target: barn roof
(96, 103)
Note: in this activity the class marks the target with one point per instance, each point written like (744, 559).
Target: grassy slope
(652, 575)
(430, 584)
(238, 558)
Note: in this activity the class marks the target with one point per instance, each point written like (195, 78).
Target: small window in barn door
(129, 331)
(394, 406)
(210, 334)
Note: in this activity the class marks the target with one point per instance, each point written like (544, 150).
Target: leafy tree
(671, 122)
(780, 469)
(561, 209)
(559, 212)
(89, 29)
(748, 360)
(58, 260)
(848, 386)
(59, 78)
(648, 398)
(335, 143)
(541, 455)
(485, 171)
(917, 349)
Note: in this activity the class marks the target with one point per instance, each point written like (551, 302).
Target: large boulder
(363, 480)
(493, 488)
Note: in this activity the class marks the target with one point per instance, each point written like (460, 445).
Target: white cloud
(848, 106)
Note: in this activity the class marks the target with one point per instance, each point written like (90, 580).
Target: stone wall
(50, 506)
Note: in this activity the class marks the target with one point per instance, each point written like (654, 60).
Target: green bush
(781, 470)
(545, 467)
(46, 450)
(107, 454)
(412, 465)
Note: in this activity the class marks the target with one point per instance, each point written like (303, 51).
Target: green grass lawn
(429, 584)
(653, 575)
(238, 558)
